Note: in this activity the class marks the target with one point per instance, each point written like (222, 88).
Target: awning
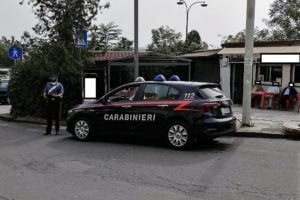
(206, 53)
(259, 50)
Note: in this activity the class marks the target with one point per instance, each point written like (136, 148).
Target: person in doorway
(53, 93)
(286, 96)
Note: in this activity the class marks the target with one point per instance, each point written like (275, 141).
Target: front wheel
(83, 129)
(178, 135)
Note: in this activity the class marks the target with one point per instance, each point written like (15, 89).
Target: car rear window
(210, 92)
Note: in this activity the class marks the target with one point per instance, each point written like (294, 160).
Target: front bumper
(213, 127)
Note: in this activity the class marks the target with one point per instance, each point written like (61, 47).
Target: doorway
(236, 82)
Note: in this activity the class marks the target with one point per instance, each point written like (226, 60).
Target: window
(158, 92)
(124, 94)
(297, 74)
(210, 93)
(173, 94)
(267, 73)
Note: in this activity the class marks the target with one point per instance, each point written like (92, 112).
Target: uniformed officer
(53, 92)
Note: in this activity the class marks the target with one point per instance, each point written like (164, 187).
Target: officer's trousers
(53, 112)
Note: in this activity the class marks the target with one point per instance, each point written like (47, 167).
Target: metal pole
(187, 23)
(248, 61)
(136, 39)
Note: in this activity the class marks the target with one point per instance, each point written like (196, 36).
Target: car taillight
(207, 106)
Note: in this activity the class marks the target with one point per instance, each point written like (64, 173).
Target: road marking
(3, 124)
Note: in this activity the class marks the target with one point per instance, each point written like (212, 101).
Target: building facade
(232, 67)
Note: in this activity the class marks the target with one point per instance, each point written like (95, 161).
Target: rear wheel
(178, 135)
(83, 129)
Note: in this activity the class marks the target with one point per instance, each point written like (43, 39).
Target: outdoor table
(262, 97)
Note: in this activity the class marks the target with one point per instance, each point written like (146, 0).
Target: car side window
(155, 92)
(123, 95)
(173, 94)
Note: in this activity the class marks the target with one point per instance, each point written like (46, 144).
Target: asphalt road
(35, 167)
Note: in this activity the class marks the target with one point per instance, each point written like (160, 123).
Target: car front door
(118, 108)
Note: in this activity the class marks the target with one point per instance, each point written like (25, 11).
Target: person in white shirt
(270, 98)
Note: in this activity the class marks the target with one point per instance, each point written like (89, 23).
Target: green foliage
(4, 59)
(105, 36)
(166, 41)
(285, 19)
(52, 52)
(193, 37)
(284, 23)
(124, 44)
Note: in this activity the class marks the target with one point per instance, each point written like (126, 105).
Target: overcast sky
(220, 18)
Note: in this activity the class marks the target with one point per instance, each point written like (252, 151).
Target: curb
(257, 135)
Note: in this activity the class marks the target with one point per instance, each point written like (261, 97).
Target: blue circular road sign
(14, 53)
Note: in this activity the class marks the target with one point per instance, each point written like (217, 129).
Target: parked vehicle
(179, 111)
(4, 99)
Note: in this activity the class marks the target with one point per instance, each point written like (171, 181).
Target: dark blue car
(4, 91)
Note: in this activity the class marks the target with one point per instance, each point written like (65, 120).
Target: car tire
(178, 135)
(82, 129)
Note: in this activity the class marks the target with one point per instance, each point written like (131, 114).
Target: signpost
(81, 39)
(15, 54)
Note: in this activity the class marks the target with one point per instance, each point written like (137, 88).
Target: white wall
(225, 76)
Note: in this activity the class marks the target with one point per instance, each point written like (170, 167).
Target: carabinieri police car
(179, 111)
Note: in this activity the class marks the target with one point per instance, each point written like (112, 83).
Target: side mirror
(103, 100)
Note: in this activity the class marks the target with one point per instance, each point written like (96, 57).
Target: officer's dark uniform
(53, 92)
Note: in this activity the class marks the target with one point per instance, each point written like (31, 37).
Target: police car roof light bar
(159, 77)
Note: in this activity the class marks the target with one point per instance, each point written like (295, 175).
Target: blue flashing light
(174, 78)
(159, 77)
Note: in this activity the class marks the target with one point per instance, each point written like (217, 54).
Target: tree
(193, 37)
(52, 51)
(59, 20)
(124, 44)
(285, 19)
(284, 23)
(106, 35)
(165, 40)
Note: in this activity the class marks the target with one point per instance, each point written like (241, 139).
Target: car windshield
(210, 92)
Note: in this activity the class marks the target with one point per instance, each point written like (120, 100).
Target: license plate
(225, 110)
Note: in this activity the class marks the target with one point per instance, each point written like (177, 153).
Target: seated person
(270, 98)
(255, 88)
(287, 94)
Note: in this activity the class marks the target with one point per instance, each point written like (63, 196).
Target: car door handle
(126, 106)
(163, 106)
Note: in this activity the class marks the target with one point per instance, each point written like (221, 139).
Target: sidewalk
(267, 123)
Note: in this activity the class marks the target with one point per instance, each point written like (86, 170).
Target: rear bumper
(212, 127)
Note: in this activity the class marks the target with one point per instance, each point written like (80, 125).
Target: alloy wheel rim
(82, 129)
(178, 135)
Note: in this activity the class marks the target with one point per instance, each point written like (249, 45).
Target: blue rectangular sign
(81, 39)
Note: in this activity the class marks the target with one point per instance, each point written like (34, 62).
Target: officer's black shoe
(47, 133)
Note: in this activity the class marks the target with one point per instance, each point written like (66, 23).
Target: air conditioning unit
(261, 77)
